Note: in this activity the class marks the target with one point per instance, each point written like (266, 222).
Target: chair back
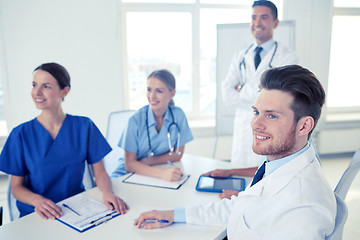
(88, 178)
(348, 176)
(340, 220)
(340, 192)
(13, 210)
(117, 124)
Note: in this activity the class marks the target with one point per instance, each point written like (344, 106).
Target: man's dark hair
(268, 4)
(308, 93)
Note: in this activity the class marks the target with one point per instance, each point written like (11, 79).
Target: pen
(102, 219)
(171, 163)
(154, 220)
(163, 221)
(70, 209)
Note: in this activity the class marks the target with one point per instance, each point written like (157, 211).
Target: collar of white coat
(282, 176)
(271, 166)
(266, 56)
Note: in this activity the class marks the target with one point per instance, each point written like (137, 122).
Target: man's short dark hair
(268, 4)
(308, 93)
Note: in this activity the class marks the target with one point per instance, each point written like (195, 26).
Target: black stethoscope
(173, 123)
(243, 60)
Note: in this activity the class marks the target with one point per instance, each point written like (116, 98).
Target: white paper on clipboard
(81, 212)
(155, 182)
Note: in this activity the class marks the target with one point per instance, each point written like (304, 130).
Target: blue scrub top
(53, 168)
(135, 139)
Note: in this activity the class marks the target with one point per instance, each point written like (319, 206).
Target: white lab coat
(242, 154)
(293, 202)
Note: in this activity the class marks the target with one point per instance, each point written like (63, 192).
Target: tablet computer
(217, 184)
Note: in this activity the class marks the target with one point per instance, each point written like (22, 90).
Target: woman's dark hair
(166, 77)
(308, 93)
(58, 72)
(268, 4)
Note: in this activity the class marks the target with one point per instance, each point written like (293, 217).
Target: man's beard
(278, 149)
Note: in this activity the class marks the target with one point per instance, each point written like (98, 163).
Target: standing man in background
(241, 85)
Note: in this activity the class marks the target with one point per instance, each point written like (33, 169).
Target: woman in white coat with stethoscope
(241, 85)
(156, 133)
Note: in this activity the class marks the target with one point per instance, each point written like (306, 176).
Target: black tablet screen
(211, 184)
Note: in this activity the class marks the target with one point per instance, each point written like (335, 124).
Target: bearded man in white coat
(241, 85)
(289, 197)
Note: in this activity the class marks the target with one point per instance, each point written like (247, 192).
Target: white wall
(81, 35)
(207, 145)
(313, 23)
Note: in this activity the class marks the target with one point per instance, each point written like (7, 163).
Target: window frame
(194, 10)
(350, 113)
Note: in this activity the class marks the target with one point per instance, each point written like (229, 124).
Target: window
(344, 82)
(149, 43)
(179, 35)
(346, 3)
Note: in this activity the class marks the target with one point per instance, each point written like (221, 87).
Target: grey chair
(340, 192)
(13, 210)
(340, 219)
(88, 182)
(117, 124)
(88, 178)
(348, 176)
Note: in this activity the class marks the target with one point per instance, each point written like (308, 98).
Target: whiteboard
(232, 38)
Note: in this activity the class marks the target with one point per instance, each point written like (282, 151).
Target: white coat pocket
(239, 229)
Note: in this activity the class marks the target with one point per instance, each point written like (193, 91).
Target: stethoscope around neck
(172, 124)
(242, 63)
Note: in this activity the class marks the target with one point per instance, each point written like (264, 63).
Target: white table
(139, 198)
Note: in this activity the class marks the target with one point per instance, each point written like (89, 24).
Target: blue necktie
(257, 58)
(259, 174)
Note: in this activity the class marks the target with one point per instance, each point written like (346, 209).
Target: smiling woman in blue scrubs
(46, 155)
(151, 128)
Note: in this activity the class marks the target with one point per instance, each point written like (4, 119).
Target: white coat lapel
(282, 176)
(264, 64)
(277, 180)
(249, 61)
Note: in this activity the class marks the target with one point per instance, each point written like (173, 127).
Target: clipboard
(139, 179)
(82, 213)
